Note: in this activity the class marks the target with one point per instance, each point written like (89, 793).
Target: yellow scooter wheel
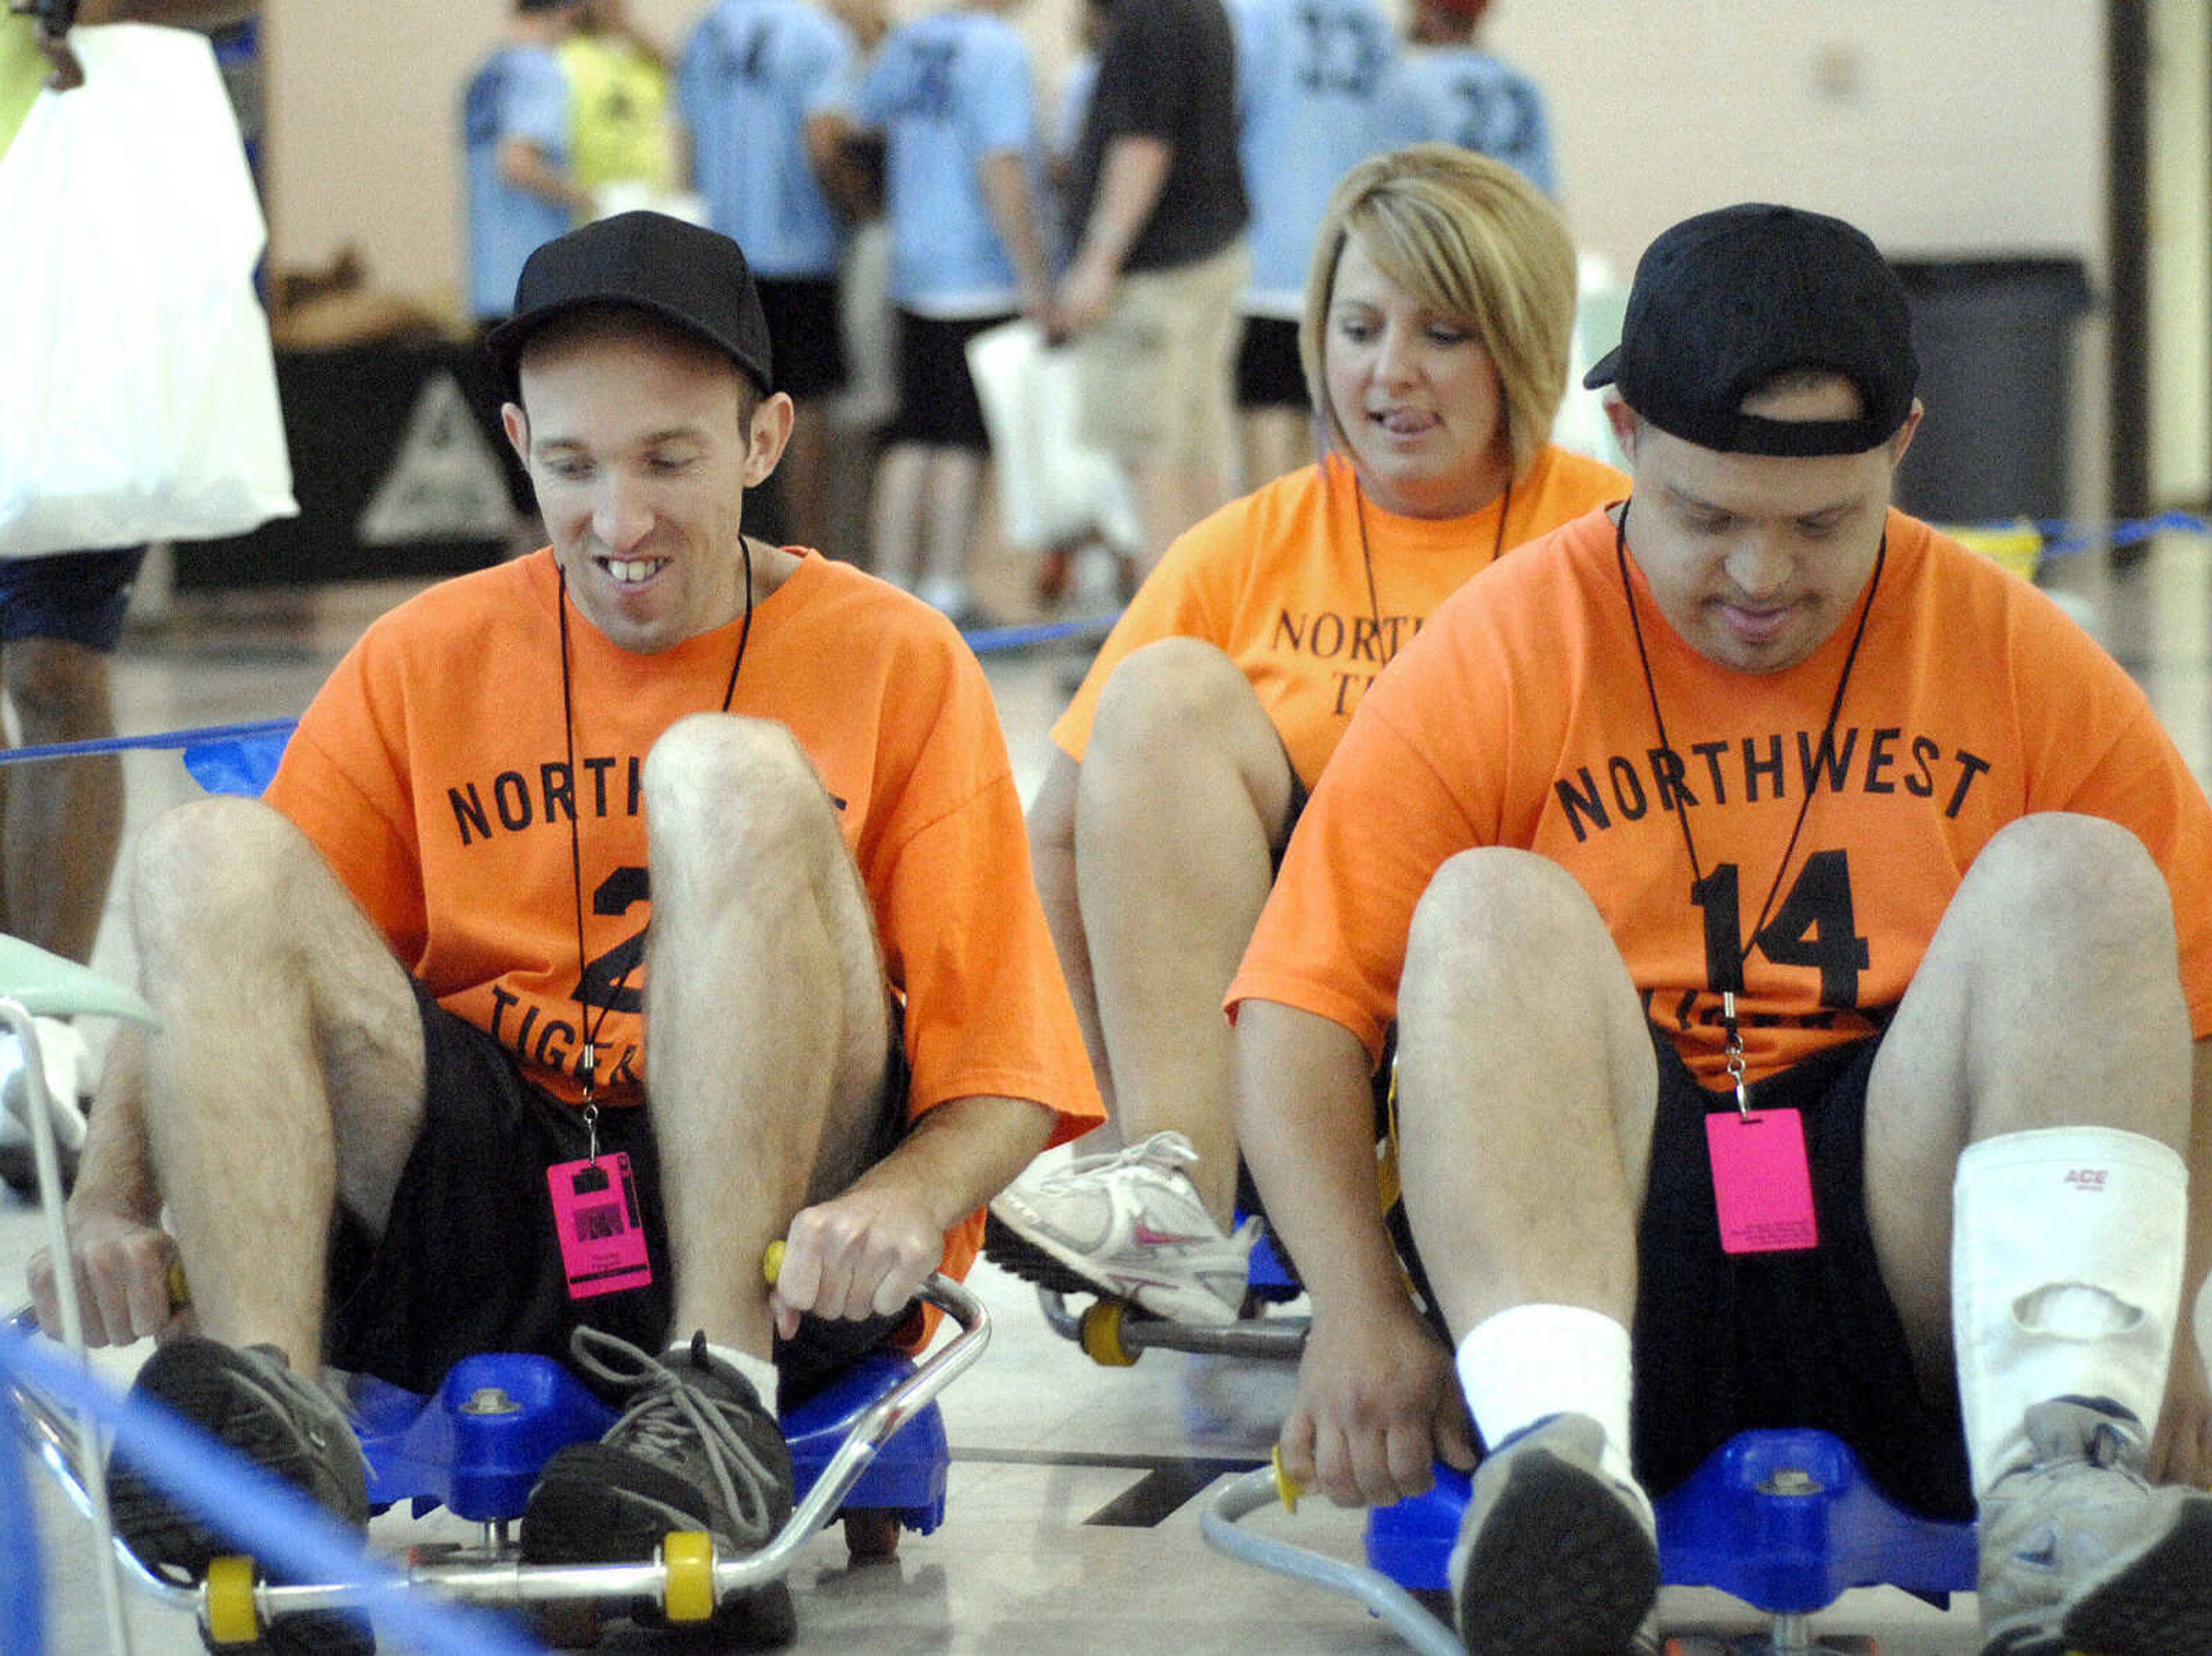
(1101, 1333)
(688, 1556)
(232, 1616)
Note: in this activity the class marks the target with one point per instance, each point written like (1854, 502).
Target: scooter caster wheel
(688, 1558)
(232, 1618)
(872, 1533)
(1101, 1334)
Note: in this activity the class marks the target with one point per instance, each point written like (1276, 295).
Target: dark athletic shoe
(698, 1450)
(1555, 1558)
(249, 1399)
(2080, 1552)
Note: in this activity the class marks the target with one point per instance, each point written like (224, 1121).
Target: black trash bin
(1996, 342)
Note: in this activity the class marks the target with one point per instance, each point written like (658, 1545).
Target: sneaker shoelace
(672, 1415)
(285, 1390)
(1165, 1152)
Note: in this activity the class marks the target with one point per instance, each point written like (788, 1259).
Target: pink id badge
(600, 1226)
(1761, 1181)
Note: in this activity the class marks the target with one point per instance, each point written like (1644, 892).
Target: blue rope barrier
(2062, 538)
(184, 738)
(287, 1532)
(991, 640)
(22, 1575)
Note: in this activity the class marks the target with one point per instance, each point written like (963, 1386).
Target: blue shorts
(79, 596)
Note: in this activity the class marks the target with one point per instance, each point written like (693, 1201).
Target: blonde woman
(1435, 342)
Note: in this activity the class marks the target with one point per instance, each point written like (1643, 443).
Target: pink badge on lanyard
(599, 1224)
(1761, 1181)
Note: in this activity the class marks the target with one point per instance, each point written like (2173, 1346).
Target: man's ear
(516, 424)
(1622, 418)
(1903, 439)
(772, 423)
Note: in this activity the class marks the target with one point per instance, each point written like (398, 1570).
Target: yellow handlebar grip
(180, 1291)
(1286, 1487)
(772, 1261)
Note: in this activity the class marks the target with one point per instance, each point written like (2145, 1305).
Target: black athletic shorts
(79, 597)
(806, 334)
(1269, 374)
(468, 1261)
(1726, 1342)
(937, 405)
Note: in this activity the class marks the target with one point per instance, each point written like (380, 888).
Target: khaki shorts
(1156, 374)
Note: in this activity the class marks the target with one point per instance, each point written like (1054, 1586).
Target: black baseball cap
(1725, 301)
(691, 277)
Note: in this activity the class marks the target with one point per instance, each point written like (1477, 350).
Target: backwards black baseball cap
(1725, 301)
(695, 279)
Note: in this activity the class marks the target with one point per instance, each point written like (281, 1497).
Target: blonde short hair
(1469, 237)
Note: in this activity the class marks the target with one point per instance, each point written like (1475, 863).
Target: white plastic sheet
(138, 389)
(1055, 490)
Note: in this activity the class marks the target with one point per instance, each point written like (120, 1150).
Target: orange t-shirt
(1278, 581)
(1521, 718)
(432, 771)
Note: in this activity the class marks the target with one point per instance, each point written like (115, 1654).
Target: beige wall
(1937, 125)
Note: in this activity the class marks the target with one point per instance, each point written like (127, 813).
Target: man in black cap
(1798, 939)
(399, 1109)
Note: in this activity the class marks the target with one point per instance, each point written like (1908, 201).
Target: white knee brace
(2066, 1255)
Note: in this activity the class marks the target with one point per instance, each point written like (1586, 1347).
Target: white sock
(1533, 1361)
(2066, 1255)
(759, 1370)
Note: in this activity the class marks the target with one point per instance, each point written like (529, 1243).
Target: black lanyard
(1367, 558)
(1743, 946)
(588, 1059)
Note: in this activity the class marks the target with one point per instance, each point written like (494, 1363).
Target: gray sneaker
(698, 1450)
(249, 1399)
(1555, 1558)
(2080, 1552)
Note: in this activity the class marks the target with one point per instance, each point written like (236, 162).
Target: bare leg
(805, 471)
(764, 1001)
(2058, 914)
(1526, 1088)
(1184, 795)
(65, 818)
(901, 476)
(955, 476)
(287, 1073)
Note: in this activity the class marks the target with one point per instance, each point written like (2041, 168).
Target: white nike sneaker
(1128, 1225)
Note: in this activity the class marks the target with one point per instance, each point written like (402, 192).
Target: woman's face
(1416, 394)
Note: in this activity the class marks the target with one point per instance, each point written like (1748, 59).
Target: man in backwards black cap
(1796, 932)
(414, 1011)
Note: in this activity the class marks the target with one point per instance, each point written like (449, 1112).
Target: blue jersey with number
(948, 91)
(751, 74)
(520, 93)
(1457, 94)
(1310, 73)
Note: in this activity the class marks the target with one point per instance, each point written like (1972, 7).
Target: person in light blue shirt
(757, 85)
(952, 93)
(1309, 76)
(1450, 89)
(514, 128)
